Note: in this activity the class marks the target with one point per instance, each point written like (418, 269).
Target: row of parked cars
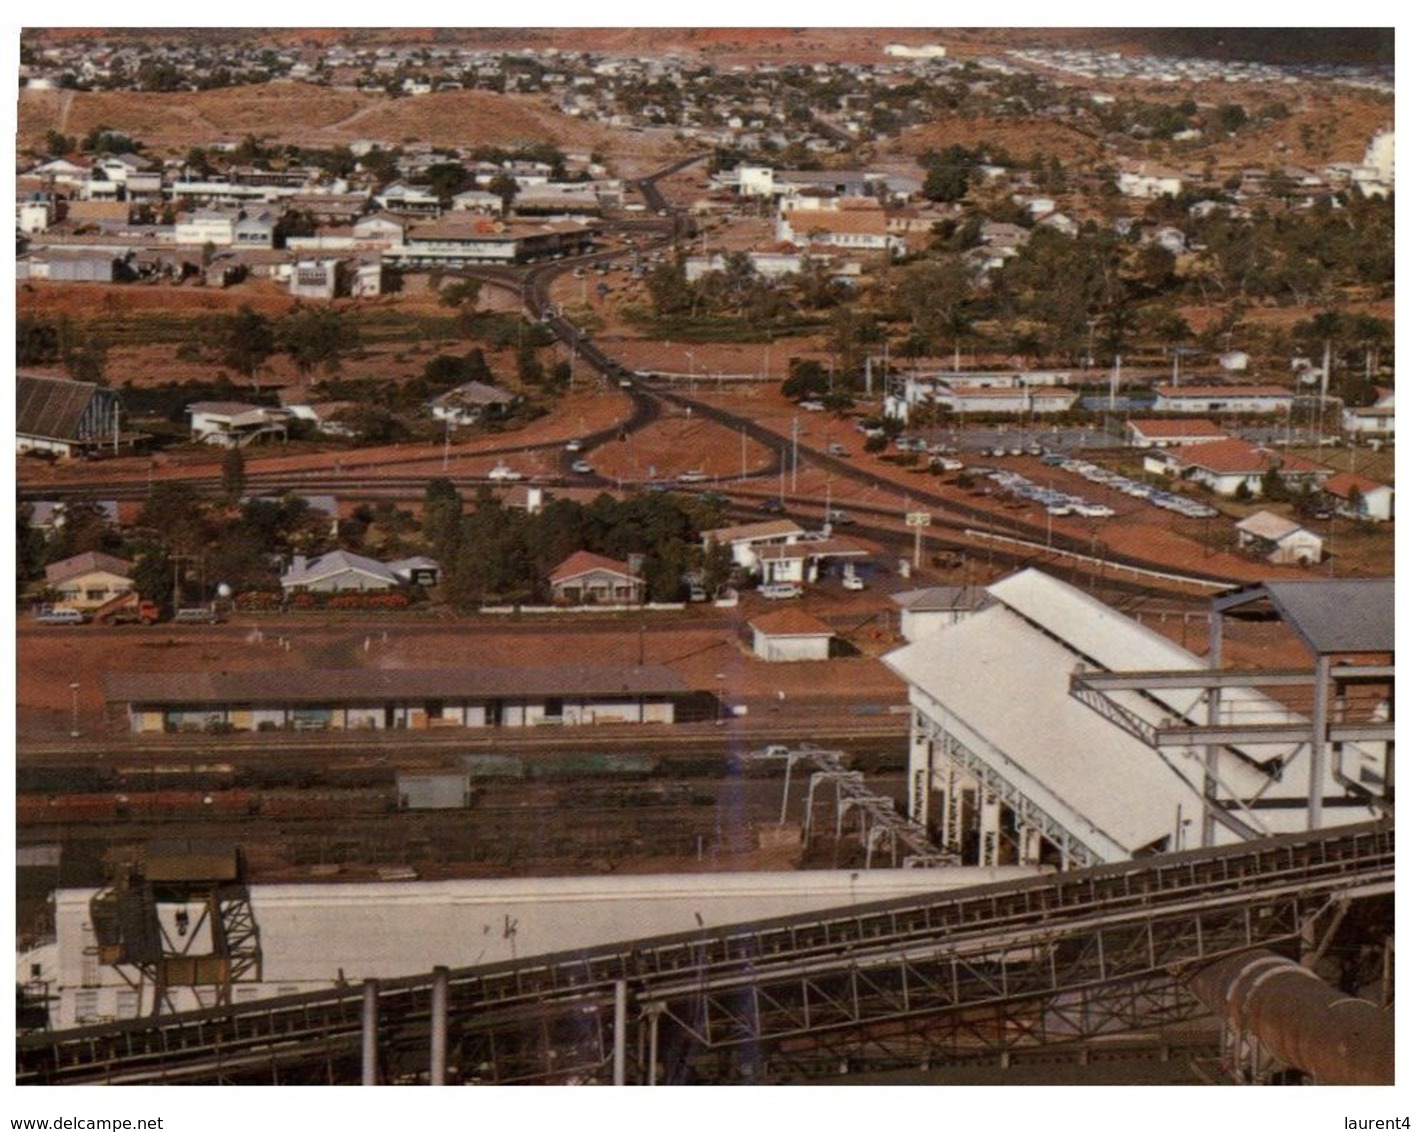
(1056, 502)
(1158, 497)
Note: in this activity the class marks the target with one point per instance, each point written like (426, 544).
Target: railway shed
(1052, 727)
(360, 699)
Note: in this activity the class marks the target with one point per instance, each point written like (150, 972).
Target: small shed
(790, 634)
(924, 612)
(1279, 540)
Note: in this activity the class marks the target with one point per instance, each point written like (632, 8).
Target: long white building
(313, 936)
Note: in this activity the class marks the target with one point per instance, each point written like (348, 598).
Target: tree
(246, 340)
(950, 172)
(317, 336)
(234, 474)
(503, 186)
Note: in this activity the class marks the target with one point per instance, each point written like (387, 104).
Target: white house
(86, 581)
(1279, 540)
(470, 403)
(1223, 465)
(1360, 498)
(340, 571)
(1148, 182)
(233, 424)
(1371, 422)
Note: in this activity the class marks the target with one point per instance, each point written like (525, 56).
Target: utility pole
(795, 453)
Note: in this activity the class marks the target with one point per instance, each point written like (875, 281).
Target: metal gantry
(1048, 959)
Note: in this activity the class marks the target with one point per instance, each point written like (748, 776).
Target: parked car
(779, 590)
(695, 475)
(197, 615)
(835, 448)
(852, 582)
(504, 472)
(582, 467)
(60, 617)
(573, 446)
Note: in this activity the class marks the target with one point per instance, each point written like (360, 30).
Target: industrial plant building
(1050, 727)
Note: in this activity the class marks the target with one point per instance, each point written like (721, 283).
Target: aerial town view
(723, 556)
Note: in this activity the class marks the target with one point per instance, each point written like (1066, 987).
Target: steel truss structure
(1027, 963)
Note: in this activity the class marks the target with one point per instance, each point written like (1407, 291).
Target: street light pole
(74, 710)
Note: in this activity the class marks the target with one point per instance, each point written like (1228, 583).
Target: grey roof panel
(1338, 615)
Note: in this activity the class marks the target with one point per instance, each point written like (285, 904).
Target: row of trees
(494, 554)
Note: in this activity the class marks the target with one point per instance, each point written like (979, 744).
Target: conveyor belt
(967, 951)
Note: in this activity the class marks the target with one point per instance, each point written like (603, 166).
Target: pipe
(619, 1033)
(369, 1016)
(1299, 1019)
(439, 1024)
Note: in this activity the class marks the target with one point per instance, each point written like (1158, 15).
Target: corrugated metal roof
(941, 599)
(364, 685)
(1338, 615)
(53, 407)
(1006, 682)
(1109, 639)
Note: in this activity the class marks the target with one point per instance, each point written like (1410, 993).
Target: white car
(852, 582)
(504, 472)
(582, 467)
(573, 446)
(693, 476)
(779, 590)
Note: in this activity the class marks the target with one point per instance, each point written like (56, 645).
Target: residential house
(584, 578)
(53, 414)
(790, 635)
(1279, 540)
(1223, 465)
(1372, 422)
(234, 424)
(89, 580)
(341, 571)
(255, 231)
(1358, 497)
(1147, 182)
(856, 229)
(315, 278)
(410, 199)
(470, 403)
